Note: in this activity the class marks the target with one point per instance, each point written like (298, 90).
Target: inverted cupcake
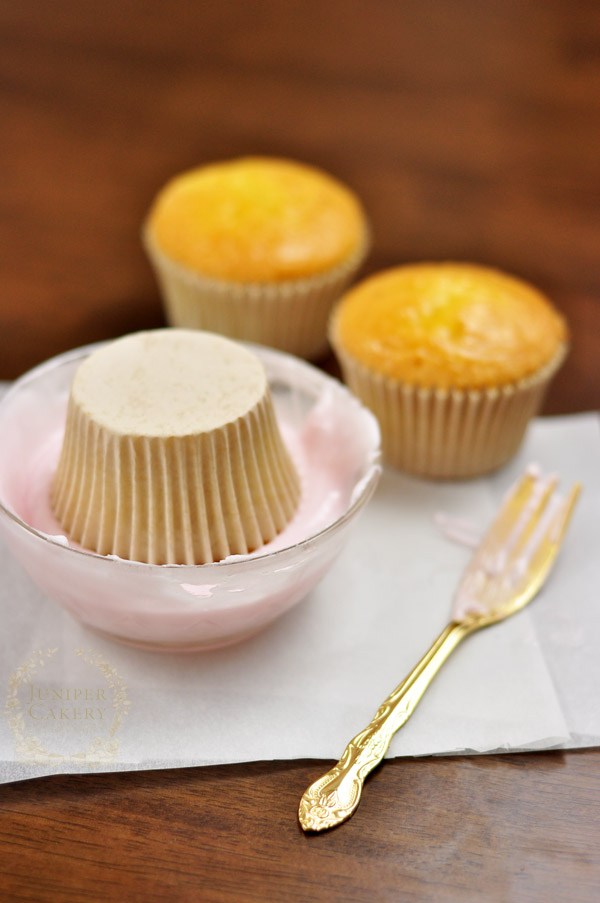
(171, 453)
(257, 249)
(454, 359)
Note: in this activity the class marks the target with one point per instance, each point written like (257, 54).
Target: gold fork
(505, 573)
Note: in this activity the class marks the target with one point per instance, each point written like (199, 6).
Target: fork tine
(513, 504)
(546, 547)
(517, 552)
(563, 522)
(531, 519)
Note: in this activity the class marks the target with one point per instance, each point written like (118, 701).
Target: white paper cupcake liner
(291, 316)
(182, 500)
(448, 434)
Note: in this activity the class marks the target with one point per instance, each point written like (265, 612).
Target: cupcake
(171, 452)
(454, 359)
(257, 249)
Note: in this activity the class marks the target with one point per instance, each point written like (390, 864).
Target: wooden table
(471, 131)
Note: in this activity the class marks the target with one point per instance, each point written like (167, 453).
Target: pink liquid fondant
(334, 446)
(327, 481)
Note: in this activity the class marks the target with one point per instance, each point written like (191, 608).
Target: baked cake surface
(257, 219)
(448, 326)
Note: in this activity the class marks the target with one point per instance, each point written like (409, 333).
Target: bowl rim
(366, 483)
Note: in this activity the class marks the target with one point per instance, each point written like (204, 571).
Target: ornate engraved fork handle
(333, 798)
(509, 567)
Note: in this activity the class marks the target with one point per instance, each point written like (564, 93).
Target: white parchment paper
(313, 679)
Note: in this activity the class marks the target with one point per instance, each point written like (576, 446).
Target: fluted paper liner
(451, 433)
(181, 500)
(290, 315)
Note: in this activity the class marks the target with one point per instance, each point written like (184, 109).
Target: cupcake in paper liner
(454, 360)
(257, 249)
(172, 453)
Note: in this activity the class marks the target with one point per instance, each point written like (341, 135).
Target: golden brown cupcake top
(448, 325)
(257, 219)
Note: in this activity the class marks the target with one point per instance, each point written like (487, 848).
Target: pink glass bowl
(188, 607)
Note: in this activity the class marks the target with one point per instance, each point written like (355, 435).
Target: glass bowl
(335, 442)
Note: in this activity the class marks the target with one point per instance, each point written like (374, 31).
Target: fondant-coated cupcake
(171, 453)
(453, 358)
(257, 249)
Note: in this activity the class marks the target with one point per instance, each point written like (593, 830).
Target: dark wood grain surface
(471, 131)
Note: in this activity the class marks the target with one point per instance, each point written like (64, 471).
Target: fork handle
(333, 798)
